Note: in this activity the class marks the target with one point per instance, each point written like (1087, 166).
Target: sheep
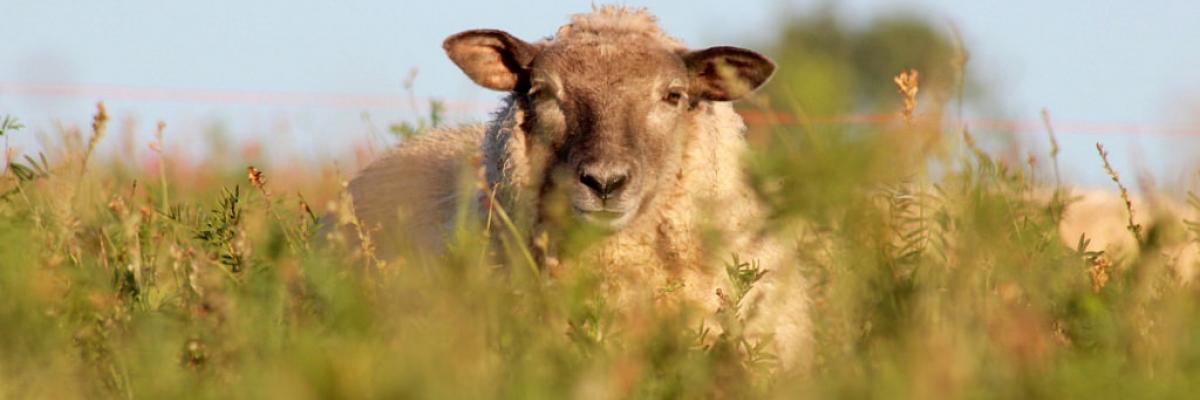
(614, 125)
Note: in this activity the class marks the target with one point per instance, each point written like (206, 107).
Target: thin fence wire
(373, 101)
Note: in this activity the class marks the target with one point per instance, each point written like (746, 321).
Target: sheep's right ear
(726, 73)
(492, 58)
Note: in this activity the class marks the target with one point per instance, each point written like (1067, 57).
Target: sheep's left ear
(726, 73)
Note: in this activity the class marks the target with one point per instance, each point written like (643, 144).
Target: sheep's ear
(492, 58)
(726, 73)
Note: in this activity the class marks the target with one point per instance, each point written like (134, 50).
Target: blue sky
(1087, 61)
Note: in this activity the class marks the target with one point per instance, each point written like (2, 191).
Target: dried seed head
(907, 83)
(157, 144)
(256, 177)
(1099, 273)
(117, 205)
(100, 118)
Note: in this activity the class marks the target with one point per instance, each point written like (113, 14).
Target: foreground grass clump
(936, 270)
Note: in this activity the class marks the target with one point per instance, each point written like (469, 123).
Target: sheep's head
(609, 111)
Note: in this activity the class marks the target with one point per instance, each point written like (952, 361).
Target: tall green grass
(936, 270)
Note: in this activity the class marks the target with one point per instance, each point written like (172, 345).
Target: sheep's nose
(604, 182)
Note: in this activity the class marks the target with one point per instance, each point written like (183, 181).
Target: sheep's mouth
(608, 218)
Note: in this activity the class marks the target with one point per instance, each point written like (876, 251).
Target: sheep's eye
(673, 97)
(536, 91)
(540, 90)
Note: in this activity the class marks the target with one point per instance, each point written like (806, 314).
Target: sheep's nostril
(592, 183)
(615, 183)
(604, 186)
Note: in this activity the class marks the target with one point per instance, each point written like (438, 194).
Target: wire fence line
(241, 97)
(995, 124)
(402, 102)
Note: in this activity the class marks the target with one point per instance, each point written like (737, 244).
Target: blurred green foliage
(826, 66)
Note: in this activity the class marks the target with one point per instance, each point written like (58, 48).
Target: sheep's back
(407, 197)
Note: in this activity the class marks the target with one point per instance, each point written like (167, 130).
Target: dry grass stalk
(10, 154)
(907, 83)
(157, 147)
(1112, 173)
(99, 127)
(304, 208)
(969, 140)
(1053, 145)
(343, 209)
(959, 61)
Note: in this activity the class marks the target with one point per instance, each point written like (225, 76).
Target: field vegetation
(936, 268)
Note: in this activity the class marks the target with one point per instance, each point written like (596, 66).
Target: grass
(937, 270)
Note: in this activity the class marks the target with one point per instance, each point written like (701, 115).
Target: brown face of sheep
(613, 111)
